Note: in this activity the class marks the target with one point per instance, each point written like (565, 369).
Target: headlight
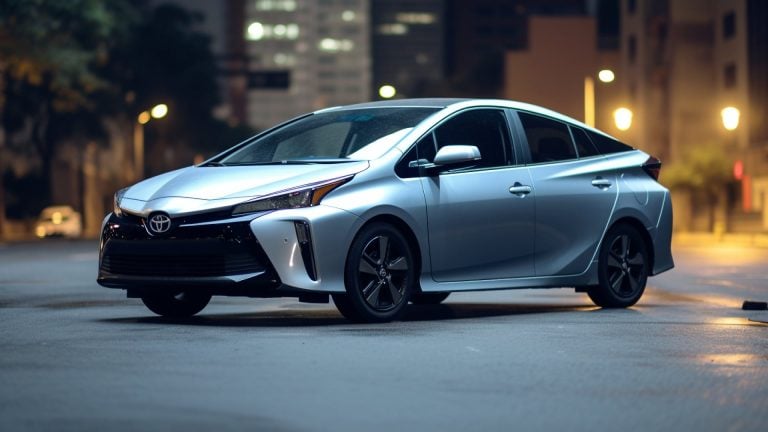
(116, 202)
(305, 197)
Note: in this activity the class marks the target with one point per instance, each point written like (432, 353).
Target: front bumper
(219, 256)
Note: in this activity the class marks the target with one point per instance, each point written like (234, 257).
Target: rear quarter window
(607, 145)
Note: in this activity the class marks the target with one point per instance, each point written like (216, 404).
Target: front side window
(548, 140)
(484, 128)
(356, 134)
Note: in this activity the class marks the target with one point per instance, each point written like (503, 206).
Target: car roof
(441, 103)
(401, 103)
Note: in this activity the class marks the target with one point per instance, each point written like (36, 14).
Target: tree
(168, 61)
(704, 172)
(50, 54)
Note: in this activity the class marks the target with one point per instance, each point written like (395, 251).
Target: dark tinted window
(729, 25)
(632, 48)
(548, 140)
(607, 145)
(484, 128)
(584, 146)
(729, 75)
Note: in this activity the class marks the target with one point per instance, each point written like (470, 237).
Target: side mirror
(456, 155)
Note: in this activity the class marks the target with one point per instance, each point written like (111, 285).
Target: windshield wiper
(290, 162)
(214, 164)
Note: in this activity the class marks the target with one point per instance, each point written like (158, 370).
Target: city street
(76, 356)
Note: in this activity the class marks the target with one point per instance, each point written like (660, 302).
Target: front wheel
(379, 276)
(623, 267)
(176, 305)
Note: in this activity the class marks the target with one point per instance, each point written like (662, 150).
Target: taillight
(652, 167)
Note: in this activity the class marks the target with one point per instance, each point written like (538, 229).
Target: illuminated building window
(283, 59)
(348, 15)
(335, 45)
(415, 18)
(393, 29)
(258, 31)
(276, 5)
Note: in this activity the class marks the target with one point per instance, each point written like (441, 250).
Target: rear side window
(583, 145)
(548, 140)
(607, 145)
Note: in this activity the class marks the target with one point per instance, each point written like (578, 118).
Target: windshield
(336, 136)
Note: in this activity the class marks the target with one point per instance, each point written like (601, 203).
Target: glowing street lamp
(730, 116)
(387, 91)
(623, 118)
(158, 111)
(606, 76)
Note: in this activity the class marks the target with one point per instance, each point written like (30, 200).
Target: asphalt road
(75, 356)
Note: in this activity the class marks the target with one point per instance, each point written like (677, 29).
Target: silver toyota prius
(380, 204)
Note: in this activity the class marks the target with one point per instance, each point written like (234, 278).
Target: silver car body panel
(470, 230)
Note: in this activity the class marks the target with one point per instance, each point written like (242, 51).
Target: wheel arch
(410, 237)
(644, 234)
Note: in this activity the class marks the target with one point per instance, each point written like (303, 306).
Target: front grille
(181, 265)
(198, 251)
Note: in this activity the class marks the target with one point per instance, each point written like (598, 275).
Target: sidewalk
(703, 239)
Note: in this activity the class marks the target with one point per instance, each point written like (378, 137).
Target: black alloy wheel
(176, 305)
(429, 298)
(623, 268)
(379, 276)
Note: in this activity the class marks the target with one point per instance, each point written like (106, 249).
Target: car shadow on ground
(301, 317)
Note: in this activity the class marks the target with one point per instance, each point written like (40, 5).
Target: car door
(575, 194)
(480, 218)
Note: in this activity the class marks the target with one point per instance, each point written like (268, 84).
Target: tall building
(407, 46)
(685, 61)
(566, 77)
(479, 32)
(304, 55)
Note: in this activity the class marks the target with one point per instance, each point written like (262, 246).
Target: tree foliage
(68, 65)
(703, 169)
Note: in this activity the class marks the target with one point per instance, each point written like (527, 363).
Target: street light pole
(605, 76)
(589, 101)
(138, 151)
(158, 111)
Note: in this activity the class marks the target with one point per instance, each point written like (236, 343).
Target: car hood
(232, 182)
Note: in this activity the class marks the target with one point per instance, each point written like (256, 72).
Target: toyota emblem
(159, 223)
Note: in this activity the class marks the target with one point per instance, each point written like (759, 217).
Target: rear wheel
(429, 298)
(379, 276)
(623, 267)
(176, 305)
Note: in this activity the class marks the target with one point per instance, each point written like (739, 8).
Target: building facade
(407, 46)
(303, 55)
(684, 61)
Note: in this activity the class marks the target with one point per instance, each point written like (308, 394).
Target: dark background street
(76, 356)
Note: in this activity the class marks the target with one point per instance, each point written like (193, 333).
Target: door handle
(601, 183)
(520, 189)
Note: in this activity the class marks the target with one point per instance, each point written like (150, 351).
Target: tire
(379, 276)
(431, 298)
(623, 267)
(176, 305)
